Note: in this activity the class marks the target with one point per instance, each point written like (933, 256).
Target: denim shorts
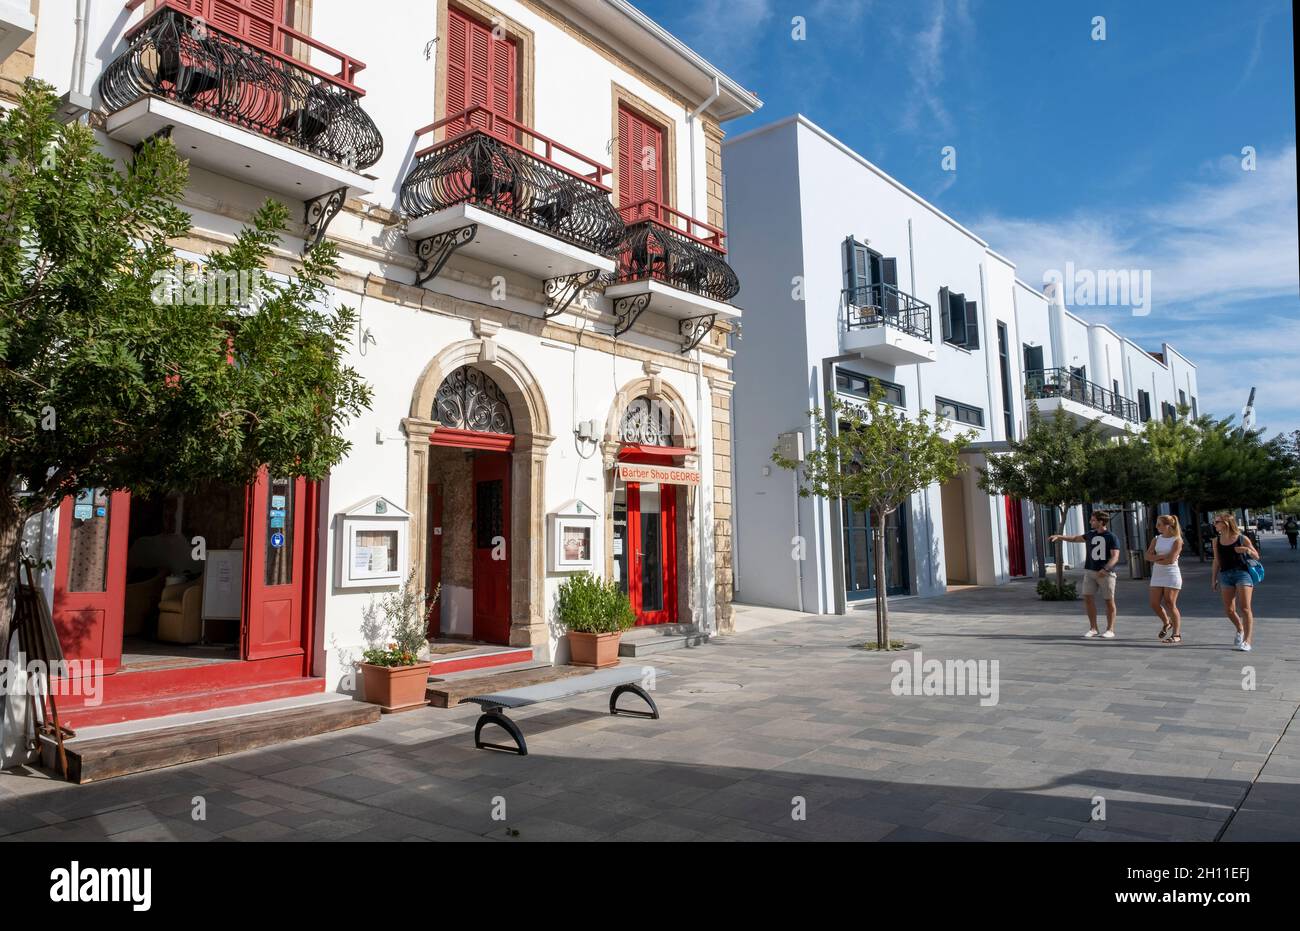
(1235, 577)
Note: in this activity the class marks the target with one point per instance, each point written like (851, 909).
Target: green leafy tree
(1056, 464)
(112, 377)
(874, 457)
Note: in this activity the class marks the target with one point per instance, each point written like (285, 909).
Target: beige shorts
(1095, 583)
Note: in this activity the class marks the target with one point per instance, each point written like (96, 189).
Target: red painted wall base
(135, 695)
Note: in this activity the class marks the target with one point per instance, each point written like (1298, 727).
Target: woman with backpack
(1292, 529)
(1232, 577)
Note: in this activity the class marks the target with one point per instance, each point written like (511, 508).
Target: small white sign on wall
(572, 531)
(372, 546)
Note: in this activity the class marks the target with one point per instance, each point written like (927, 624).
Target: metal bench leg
(635, 690)
(499, 719)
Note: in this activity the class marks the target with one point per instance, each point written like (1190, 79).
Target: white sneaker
(1236, 639)
(1109, 635)
(1245, 648)
(1089, 634)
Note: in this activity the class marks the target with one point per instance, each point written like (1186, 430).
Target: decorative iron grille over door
(468, 399)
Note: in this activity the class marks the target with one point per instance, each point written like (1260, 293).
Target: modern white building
(527, 198)
(856, 281)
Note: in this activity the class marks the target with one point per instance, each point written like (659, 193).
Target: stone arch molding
(655, 388)
(527, 472)
(512, 375)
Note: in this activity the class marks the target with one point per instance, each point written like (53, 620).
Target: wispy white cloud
(925, 65)
(1224, 259)
(1230, 239)
(740, 23)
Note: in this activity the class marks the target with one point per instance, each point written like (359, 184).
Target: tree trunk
(11, 537)
(882, 599)
(1196, 532)
(1060, 554)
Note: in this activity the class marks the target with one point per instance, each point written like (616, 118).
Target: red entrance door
(1015, 536)
(492, 546)
(90, 575)
(274, 567)
(652, 560)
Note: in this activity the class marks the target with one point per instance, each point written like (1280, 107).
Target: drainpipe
(691, 118)
(707, 627)
(79, 48)
(708, 623)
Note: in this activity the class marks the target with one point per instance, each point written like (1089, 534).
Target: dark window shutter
(850, 265)
(889, 276)
(945, 313)
(957, 318)
(1033, 358)
(972, 325)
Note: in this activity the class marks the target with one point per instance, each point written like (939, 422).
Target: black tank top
(1228, 557)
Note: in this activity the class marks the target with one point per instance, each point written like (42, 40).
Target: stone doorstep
(92, 760)
(659, 638)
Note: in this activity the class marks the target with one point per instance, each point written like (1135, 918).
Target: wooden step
(447, 693)
(105, 757)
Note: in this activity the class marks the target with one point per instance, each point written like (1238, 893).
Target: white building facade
(527, 199)
(855, 282)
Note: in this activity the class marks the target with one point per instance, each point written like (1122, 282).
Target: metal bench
(621, 679)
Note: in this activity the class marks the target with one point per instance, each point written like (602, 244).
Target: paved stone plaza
(787, 718)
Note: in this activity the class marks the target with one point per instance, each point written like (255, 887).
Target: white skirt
(1166, 576)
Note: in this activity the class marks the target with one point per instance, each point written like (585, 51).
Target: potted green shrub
(393, 676)
(595, 614)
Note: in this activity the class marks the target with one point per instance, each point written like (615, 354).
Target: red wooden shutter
(481, 71)
(640, 159)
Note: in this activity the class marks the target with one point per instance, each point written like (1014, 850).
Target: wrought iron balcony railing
(668, 246)
(504, 167)
(1062, 383)
(178, 53)
(875, 305)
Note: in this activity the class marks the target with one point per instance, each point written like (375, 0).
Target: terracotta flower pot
(599, 650)
(395, 688)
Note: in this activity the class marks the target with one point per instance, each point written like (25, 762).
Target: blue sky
(1117, 154)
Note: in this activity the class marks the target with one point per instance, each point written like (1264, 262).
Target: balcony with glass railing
(886, 325)
(195, 69)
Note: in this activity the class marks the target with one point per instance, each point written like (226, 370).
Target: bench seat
(621, 679)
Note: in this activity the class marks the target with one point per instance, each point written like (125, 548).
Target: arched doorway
(653, 480)
(469, 506)
(477, 438)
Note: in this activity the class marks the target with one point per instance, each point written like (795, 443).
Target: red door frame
(1015, 537)
(667, 554)
(654, 455)
(496, 462)
(90, 623)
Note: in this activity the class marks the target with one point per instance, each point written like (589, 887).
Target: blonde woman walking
(1166, 578)
(1232, 579)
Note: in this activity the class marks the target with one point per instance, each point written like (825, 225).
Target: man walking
(1098, 570)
